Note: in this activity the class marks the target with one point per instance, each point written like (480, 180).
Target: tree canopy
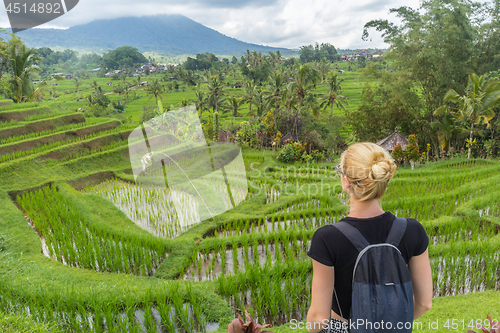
(312, 53)
(125, 56)
(434, 48)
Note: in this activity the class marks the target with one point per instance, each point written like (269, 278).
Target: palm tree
(215, 92)
(180, 73)
(155, 89)
(276, 87)
(260, 100)
(333, 97)
(94, 85)
(200, 100)
(22, 67)
(323, 68)
(233, 105)
(119, 89)
(248, 93)
(477, 105)
(306, 79)
(279, 57)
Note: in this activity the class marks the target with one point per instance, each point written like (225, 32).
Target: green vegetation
(83, 247)
(434, 49)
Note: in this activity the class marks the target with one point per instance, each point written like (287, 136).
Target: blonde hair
(368, 167)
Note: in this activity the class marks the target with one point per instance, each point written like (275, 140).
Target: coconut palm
(260, 101)
(119, 89)
(21, 69)
(216, 92)
(476, 106)
(279, 57)
(154, 88)
(276, 88)
(200, 100)
(95, 86)
(323, 68)
(249, 90)
(305, 79)
(333, 95)
(233, 106)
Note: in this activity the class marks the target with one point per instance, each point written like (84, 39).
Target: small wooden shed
(392, 140)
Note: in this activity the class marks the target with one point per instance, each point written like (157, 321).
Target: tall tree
(233, 105)
(306, 79)
(21, 67)
(276, 88)
(200, 100)
(155, 89)
(216, 92)
(434, 44)
(333, 95)
(476, 106)
(249, 90)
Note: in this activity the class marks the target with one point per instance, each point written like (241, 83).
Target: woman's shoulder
(326, 230)
(413, 225)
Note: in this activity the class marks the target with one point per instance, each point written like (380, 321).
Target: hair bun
(381, 171)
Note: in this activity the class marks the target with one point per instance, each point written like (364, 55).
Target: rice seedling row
(100, 149)
(154, 209)
(272, 223)
(165, 311)
(279, 248)
(61, 129)
(461, 229)
(271, 296)
(463, 274)
(72, 241)
(434, 185)
(56, 144)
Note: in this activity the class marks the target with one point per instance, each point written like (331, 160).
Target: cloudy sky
(281, 23)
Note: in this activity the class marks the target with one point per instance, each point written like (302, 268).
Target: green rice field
(85, 248)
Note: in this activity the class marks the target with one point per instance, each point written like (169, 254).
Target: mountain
(165, 34)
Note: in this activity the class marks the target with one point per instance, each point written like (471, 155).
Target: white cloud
(281, 23)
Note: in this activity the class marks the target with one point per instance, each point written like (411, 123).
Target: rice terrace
(120, 213)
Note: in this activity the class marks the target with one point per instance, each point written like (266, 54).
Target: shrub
(317, 155)
(292, 152)
(307, 158)
(246, 135)
(398, 153)
(412, 154)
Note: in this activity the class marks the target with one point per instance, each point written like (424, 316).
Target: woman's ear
(345, 184)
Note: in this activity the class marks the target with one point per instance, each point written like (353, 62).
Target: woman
(365, 169)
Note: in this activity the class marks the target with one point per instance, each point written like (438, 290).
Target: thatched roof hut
(290, 137)
(392, 140)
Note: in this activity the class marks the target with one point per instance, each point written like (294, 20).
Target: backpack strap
(352, 234)
(398, 229)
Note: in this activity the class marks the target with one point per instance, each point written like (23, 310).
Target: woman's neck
(364, 209)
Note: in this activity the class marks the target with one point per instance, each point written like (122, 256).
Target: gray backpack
(382, 292)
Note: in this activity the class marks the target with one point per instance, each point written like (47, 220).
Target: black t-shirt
(331, 248)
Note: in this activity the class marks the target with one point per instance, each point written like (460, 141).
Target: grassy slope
(20, 324)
